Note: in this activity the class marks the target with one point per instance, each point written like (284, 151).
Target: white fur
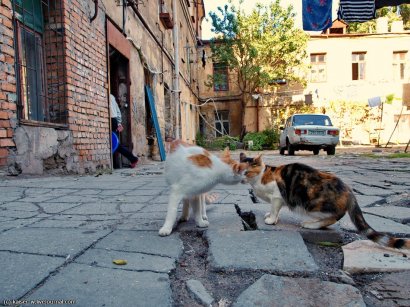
(269, 193)
(188, 182)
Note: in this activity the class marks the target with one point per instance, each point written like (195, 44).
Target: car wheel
(316, 151)
(291, 149)
(282, 151)
(331, 150)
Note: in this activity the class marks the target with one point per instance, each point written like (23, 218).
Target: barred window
(220, 77)
(41, 76)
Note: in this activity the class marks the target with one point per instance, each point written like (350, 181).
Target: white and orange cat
(192, 171)
(320, 195)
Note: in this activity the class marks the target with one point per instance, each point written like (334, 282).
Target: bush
(258, 139)
(267, 139)
(272, 138)
(222, 142)
(200, 139)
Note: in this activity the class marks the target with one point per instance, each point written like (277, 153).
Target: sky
(247, 5)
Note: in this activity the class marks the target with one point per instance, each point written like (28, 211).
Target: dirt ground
(225, 286)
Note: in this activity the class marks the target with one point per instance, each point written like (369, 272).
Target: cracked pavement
(59, 236)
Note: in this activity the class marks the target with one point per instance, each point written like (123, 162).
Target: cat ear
(258, 159)
(242, 157)
(227, 153)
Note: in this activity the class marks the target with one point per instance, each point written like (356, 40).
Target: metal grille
(40, 62)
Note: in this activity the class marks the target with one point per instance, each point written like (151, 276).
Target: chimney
(397, 26)
(382, 25)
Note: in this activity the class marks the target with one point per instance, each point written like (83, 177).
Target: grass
(389, 156)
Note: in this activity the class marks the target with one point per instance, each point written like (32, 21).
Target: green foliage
(223, 142)
(259, 139)
(390, 13)
(272, 138)
(200, 139)
(258, 47)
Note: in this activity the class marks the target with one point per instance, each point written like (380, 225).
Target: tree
(258, 48)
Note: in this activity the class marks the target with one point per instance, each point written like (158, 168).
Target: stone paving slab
(94, 286)
(135, 261)
(276, 251)
(80, 224)
(401, 214)
(148, 242)
(364, 256)
(12, 223)
(22, 272)
(377, 223)
(271, 290)
(47, 241)
(367, 200)
(371, 190)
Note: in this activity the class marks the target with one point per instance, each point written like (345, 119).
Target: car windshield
(317, 120)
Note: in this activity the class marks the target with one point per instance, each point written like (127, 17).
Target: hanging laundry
(356, 10)
(316, 15)
(383, 3)
(374, 101)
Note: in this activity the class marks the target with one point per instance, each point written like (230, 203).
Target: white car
(308, 132)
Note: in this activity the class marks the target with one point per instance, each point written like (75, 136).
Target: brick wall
(7, 82)
(87, 87)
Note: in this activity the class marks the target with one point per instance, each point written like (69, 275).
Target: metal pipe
(95, 10)
(175, 34)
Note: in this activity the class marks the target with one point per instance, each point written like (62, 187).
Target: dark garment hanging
(356, 10)
(383, 3)
(316, 14)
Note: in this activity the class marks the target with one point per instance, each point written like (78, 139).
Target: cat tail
(358, 220)
(238, 210)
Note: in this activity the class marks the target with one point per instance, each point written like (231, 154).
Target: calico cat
(192, 171)
(321, 195)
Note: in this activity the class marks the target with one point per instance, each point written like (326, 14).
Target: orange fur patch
(201, 160)
(268, 176)
(175, 144)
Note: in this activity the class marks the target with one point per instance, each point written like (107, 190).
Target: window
(399, 65)
(318, 67)
(40, 60)
(221, 123)
(358, 66)
(220, 77)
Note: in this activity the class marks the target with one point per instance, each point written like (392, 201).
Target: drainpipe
(175, 34)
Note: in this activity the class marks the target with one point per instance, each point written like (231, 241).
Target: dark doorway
(120, 88)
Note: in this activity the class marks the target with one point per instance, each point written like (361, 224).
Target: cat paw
(164, 231)
(202, 224)
(183, 219)
(270, 221)
(205, 218)
(211, 198)
(267, 214)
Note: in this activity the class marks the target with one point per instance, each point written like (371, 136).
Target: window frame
(49, 59)
(221, 118)
(399, 65)
(222, 70)
(359, 66)
(317, 77)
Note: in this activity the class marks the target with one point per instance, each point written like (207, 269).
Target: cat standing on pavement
(191, 171)
(320, 195)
